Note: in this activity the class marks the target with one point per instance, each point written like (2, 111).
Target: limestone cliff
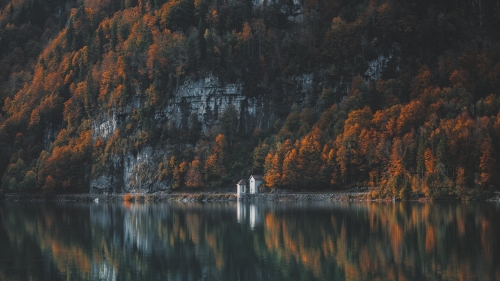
(136, 169)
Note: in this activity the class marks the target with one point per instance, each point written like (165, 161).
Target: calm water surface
(233, 241)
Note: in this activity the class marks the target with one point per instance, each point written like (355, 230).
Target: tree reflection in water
(244, 241)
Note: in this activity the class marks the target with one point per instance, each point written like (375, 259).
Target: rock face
(104, 127)
(137, 169)
(208, 98)
(376, 66)
(287, 7)
(134, 171)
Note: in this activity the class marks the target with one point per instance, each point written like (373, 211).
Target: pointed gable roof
(242, 182)
(256, 177)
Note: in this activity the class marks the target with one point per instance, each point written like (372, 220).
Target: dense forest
(404, 95)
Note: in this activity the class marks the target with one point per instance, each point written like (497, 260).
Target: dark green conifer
(11, 11)
(113, 35)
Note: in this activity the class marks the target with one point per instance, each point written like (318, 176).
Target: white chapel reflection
(248, 213)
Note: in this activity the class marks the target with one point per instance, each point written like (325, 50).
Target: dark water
(230, 241)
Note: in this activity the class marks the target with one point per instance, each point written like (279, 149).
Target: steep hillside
(125, 96)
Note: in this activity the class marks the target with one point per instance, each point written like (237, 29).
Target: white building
(241, 188)
(255, 183)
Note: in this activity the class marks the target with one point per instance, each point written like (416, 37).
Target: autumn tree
(194, 176)
(179, 175)
(487, 163)
(245, 38)
(430, 172)
(290, 170)
(49, 186)
(309, 158)
(215, 171)
(272, 170)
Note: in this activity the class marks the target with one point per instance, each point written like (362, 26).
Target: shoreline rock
(187, 197)
(209, 196)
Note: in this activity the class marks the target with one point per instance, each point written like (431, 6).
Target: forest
(425, 123)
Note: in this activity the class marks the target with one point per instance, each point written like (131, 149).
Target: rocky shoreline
(206, 196)
(189, 197)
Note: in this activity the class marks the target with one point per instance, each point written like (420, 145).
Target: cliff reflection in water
(241, 241)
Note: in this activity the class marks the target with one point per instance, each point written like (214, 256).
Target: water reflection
(255, 217)
(244, 241)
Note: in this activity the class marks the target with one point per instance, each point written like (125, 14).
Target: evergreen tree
(70, 36)
(442, 151)
(202, 45)
(487, 163)
(11, 10)
(113, 36)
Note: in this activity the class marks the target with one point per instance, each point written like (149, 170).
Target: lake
(247, 241)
